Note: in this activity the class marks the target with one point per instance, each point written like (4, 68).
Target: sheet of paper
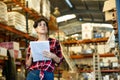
(37, 48)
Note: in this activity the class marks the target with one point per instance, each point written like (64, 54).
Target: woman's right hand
(29, 61)
(30, 55)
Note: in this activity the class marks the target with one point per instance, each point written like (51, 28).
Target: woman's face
(41, 28)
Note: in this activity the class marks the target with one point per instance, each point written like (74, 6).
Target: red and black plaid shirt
(47, 65)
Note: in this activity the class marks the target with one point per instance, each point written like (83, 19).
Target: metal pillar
(27, 18)
(118, 20)
(27, 23)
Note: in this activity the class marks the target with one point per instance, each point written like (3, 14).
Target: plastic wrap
(30, 25)
(3, 12)
(36, 5)
(17, 20)
(46, 9)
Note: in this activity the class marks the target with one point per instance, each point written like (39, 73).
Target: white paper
(37, 48)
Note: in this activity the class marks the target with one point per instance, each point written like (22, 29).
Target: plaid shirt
(47, 65)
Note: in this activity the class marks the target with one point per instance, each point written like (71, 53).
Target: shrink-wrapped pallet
(87, 31)
(3, 12)
(21, 28)
(40, 6)
(46, 9)
(34, 4)
(13, 53)
(32, 31)
(30, 25)
(109, 5)
(17, 20)
(3, 51)
(10, 45)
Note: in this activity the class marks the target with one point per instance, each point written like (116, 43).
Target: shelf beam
(4, 37)
(90, 56)
(13, 30)
(85, 41)
(103, 71)
(116, 70)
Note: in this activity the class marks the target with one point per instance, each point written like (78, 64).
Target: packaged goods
(10, 45)
(17, 20)
(3, 12)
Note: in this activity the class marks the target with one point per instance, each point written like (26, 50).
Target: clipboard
(37, 48)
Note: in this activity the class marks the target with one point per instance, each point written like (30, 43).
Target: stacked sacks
(35, 5)
(30, 26)
(42, 7)
(32, 31)
(17, 20)
(46, 9)
(3, 12)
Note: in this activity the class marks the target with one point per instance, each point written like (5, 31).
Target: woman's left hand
(51, 55)
(48, 54)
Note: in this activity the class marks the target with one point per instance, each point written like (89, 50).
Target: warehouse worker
(43, 70)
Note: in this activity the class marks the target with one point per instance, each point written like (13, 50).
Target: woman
(43, 70)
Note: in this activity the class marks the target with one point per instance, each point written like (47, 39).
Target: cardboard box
(76, 49)
(87, 27)
(3, 51)
(109, 5)
(10, 45)
(101, 49)
(19, 54)
(87, 31)
(87, 35)
(14, 53)
(115, 26)
(74, 75)
(69, 75)
(115, 64)
(118, 77)
(110, 16)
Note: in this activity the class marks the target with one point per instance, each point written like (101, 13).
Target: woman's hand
(48, 54)
(29, 61)
(51, 55)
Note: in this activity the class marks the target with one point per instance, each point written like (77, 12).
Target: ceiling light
(75, 35)
(56, 11)
(80, 19)
(66, 17)
(69, 3)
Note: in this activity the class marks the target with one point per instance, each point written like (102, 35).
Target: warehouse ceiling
(85, 10)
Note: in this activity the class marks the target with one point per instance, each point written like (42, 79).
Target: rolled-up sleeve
(59, 51)
(27, 53)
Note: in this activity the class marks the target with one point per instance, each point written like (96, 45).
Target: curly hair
(42, 18)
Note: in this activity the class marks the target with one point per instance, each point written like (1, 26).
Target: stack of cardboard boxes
(110, 13)
(12, 47)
